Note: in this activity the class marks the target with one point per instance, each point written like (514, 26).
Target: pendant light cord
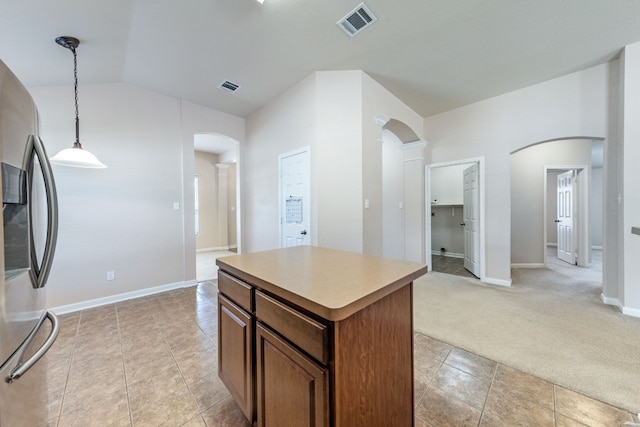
(75, 89)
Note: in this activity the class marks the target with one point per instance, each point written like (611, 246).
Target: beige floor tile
(94, 409)
(152, 361)
(140, 368)
(465, 387)
(154, 387)
(172, 410)
(562, 421)
(195, 422)
(473, 364)
(525, 385)
(424, 346)
(197, 365)
(209, 391)
(225, 414)
(443, 410)
(588, 411)
(504, 408)
(423, 372)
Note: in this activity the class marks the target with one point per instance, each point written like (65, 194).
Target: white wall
(528, 193)
(333, 112)
(122, 218)
(446, 231)
(392, 196)
(378, 100)
(285, 124)
(597, 205)
(631, 170)
(574, 105)
(338, 160)
(447, 185)
(205, 169)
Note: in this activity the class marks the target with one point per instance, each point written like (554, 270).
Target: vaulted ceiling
(434, 55)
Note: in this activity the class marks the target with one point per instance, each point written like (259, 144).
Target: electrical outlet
(111, 275)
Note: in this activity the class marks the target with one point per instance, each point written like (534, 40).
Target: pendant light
(76, 155)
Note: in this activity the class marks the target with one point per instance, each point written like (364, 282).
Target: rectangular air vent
(228, 86)
(357, 20)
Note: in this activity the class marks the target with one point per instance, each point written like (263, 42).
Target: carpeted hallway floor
(550, 323)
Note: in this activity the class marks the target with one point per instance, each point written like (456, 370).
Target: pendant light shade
(75, 156)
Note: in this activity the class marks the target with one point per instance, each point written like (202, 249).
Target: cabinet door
(235, 337)
(292, 390)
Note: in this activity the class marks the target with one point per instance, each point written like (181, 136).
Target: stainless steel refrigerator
(29, 232)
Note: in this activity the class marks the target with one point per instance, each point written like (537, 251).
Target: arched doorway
(537, 205)
(216, 201)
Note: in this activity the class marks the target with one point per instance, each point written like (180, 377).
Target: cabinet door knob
(303, 232)
(463, 224)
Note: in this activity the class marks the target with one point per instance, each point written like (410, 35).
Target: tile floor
(450, 265)
(153, 362)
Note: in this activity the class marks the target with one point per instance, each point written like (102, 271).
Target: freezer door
(20, 304)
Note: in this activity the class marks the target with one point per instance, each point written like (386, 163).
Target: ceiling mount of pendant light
(76, 155)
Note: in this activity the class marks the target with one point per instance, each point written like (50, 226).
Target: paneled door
(564, 218)
(295, 203)
(471, 216)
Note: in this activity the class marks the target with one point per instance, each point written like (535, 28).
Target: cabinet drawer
(301, 330)
(235, 289)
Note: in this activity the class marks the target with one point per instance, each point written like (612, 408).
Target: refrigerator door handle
(40, 273)
(22, 368)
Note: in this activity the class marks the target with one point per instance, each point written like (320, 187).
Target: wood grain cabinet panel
(292, 390)
(306, 333)
(235, 353)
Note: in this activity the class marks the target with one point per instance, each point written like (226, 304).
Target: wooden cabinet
(292, 390)
(235, 353)
(328, 342)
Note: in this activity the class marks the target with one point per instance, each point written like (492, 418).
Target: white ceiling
(434, 55)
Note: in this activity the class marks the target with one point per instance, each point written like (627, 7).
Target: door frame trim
(427, 211)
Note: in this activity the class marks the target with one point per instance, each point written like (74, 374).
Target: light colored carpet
(550, 323)
(206, 268)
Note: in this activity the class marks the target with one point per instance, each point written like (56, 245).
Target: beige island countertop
(329, 283)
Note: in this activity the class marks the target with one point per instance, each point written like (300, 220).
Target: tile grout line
(66, 382)
(124, 366)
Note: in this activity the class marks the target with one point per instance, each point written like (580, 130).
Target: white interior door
(295, 204)
(564, 218)
(471, 223)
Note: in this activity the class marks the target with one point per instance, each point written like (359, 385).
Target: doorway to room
(557, 209)
(454, 218)
(217, 219)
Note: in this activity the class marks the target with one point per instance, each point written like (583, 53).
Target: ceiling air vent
(357, 20)
(228, 86)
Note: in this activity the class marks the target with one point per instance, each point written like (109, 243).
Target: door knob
(557, 220)
(463, 224)
(303, 232)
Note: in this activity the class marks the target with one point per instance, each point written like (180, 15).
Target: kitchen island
(309, 336)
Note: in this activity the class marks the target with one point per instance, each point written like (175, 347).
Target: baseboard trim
(499, 282)
(220, 248)
(631, 311)
(449, 254)
(84, 305)
(528, 265)
(611, 301)
(634, 312)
